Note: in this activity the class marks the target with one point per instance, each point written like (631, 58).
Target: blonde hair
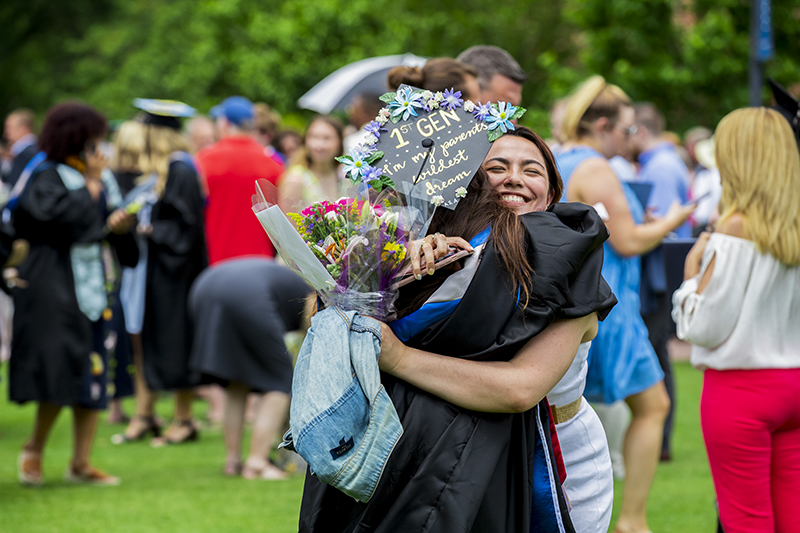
(128, 146)
(160, 142)
(593, 99)
(759, 165)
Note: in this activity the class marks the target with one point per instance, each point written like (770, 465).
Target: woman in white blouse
(740, 306)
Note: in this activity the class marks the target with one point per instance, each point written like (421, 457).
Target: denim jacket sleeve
(342, 421)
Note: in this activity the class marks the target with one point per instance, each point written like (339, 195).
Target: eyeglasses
(629, 130)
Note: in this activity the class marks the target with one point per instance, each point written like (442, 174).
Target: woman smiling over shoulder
(468, 383)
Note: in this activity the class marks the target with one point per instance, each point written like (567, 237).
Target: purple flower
(374, 128)
(452, 99)
(482, 111)
(372, 173)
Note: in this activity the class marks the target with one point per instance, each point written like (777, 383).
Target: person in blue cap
(172, 254)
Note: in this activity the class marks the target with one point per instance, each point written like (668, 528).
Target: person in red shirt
(230, 168)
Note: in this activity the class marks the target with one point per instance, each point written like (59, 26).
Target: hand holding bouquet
(350, 251)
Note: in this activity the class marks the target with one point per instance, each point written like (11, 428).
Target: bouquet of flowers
(362, 246)
(350, 251)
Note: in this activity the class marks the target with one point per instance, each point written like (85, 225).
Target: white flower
(433, 104)
(331, 215)
(383, 116)
(469, 106)
(389, 217)
(437, 200)
(438, 96)
(461, 192)
(370, 139)
(427, 95)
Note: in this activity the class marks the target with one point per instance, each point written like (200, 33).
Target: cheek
(495, 180)
(540, 188)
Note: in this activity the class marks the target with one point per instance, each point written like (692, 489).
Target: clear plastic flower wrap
(351, 251)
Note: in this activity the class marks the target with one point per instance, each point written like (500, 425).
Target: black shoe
(151, 426)
(192, 436)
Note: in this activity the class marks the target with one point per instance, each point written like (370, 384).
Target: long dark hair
(481, 208)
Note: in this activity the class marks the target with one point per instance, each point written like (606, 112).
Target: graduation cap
(786, 105)
(163, 112)
(428, 146)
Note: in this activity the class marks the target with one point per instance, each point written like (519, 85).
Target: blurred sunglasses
(628, 130)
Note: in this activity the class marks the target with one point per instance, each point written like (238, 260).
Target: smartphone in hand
(453, 255)
(695, 201)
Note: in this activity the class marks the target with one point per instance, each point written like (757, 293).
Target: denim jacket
(342, 421)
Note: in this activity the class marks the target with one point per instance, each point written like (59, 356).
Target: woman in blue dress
(622, 364)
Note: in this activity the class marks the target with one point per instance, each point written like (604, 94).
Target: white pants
(590, 481)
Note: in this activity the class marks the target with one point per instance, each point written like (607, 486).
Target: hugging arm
(492, 386)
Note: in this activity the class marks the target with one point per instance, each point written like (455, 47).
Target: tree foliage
(688, 57)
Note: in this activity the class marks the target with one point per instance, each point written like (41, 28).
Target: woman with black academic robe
(172, 240)
(469, 387)
(65, 212)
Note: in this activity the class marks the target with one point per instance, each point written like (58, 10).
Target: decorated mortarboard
(163, 112)
(428, 145)
(786, 105)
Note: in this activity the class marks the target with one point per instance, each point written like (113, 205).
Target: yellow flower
(393, 251)
(97, 364)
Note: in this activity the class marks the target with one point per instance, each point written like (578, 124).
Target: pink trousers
(751, 426)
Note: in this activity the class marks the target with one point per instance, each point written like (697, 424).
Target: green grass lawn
(182, 489)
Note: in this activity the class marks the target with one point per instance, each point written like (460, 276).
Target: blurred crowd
(132, 244)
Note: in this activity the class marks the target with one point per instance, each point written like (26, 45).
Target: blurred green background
(689, 57)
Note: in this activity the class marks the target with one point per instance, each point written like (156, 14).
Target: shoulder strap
(36, 165)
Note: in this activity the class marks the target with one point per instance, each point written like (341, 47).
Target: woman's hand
(678, 214)
(433, 247)
(694, 258)
(120, 221)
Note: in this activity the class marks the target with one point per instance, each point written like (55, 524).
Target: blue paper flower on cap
(355, 164)
(405, 102)
(500, 116)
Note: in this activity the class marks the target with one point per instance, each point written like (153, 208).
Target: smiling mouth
(514, 198)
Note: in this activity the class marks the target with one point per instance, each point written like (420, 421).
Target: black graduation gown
(176, 254)
(52, 337)
(460, 470)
